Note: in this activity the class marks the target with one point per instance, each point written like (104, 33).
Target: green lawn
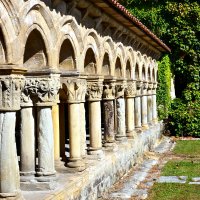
(188, 147)
(173, 191)
(181, 168)
(187, 165)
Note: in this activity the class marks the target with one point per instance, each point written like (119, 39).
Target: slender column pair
(109, 114)
(10, 92)
(120, 111)
(154, 104)
(130, 93)
(138, 122)
(144, 106)
(94, 96)
(75, 90)
(150, 104)
(44, 92)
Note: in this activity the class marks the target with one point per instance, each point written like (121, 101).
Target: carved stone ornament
(139, 85)
(145, 85)
(131, 89)
(109, 91)
(11, 87)
(75, 90)
(120, 90)
(43, 90)
(150, 86)
(155, 85)
(94, 91)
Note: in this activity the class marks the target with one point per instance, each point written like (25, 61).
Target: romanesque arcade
(75, 82)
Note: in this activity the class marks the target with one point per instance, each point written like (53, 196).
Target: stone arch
(149, 78)
(143, 73)
(106, 68)
(35, 54)
(67, 60)
(90, 64)
(70, 27)
(118, 68)
(91, 45)
(3, 54)
(137, 72)
(130, 59)
(37, 16)
(128, 70)
(9, 25)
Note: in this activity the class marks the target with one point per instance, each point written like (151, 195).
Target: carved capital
(155, 85)
(109, 91)
(75, 90)
(94, 90)
(150, 86)
(11, 87)
(139, 85)
(131, 89)
(42, 90)
(120, 89)
(145, 85)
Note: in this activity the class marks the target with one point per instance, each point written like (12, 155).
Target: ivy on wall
(164, 86)
(177, 23)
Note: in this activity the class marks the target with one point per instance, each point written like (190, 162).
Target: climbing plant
(176, 22)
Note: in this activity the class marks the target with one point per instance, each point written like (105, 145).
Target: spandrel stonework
(77, 80)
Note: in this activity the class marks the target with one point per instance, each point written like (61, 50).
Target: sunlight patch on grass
(188, 147)
(174, 191)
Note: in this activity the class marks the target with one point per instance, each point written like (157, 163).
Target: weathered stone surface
(172, 179)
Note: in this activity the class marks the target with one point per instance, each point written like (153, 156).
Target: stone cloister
(82, 72)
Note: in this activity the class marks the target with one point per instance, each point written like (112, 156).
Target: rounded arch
(106, 67)
(118, 68)
(35, 55)
(43, 22)
(67, 59)
(137, 72)
(149, 78)
(3, 53)
(90, 64)
(143, 73)
(128, 69)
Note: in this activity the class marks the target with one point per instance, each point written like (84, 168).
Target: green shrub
(184, 118)
(163, 92)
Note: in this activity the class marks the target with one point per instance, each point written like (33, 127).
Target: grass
(188, 165)
(182, 168)
(188, 147)
(173, 191)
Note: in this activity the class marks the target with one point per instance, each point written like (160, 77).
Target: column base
(95, 154)
(138, 130)
(155, 121)
(121, 138)
(11, 196)
(110, 146)
(59, 163)
(46, 174)
(130, 134)
(76, 165)
(145, 127)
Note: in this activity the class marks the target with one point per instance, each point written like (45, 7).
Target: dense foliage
(163, 91)
(177, 22)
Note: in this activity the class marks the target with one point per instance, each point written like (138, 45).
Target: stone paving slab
(172, 179)
(196, 179)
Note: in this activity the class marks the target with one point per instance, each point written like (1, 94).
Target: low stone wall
(101, 174)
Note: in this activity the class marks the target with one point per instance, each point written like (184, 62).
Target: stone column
(138, 123)
(144, 106)
(75, 91)
(45, 91)
(120, 111)
(130, 93)
(109, 114)
(95, 89)
(10, 86)
(27, 145)
(56, 130)
(149, 104)
(154, 104)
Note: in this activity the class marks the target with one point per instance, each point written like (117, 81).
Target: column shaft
(27, 158)
(9, 169)
(56, 130)
(83, 130)
(75, 160)
(130, 121)
(138, 112)
(45, 142)
(109, 129)
(121, 122)
(144, 112)
(95, 126)
(154, 114)
(149, 109)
